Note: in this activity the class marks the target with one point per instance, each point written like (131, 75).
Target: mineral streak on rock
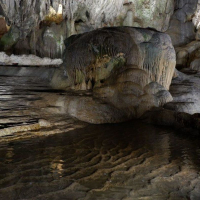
(130, 47)
(128, 68)
(29, 20)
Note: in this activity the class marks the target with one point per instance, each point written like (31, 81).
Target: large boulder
(128, 68)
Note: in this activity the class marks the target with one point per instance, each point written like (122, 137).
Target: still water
(128, 161)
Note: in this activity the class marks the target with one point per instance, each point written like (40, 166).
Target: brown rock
(3, 28)
(129, 69)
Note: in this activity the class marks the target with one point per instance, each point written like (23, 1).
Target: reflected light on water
(186, 157)
(123, 161)
(57, 167)
(9, 154)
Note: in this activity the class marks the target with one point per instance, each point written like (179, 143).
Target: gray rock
(183, 122)
(131, 77)
(185, 91)
(181, 28)
(34, 18)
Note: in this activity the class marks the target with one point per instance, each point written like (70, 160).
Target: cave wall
(40, 27)
(181, 27)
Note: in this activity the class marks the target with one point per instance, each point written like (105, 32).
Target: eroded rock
(188, 56)
(154, 13)
(185, 91)
(183, 122)
(127, 68)
(181, 28)
(30, 19)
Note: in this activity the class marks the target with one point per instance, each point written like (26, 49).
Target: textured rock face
(46, 42)
(92, 14)
(186, 93)
(196, 17)
(31, 18)
(188, 56)
(36, 20)
(27, 14)
(182, 29)
(185, 85)
(89, 54)
(148, 13)
(128, 68)
(24, 14)
(183, 122)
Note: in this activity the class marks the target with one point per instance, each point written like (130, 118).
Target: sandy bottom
(128, 161)
(125, 161)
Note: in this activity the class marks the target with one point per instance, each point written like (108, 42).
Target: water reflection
(9, 154)
(130, 161)
(57, 167)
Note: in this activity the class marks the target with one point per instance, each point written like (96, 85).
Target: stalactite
(27, 14)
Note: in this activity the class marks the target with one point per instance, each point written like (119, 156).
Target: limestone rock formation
(186, 93)
(128, 68)
(45, 42)
(26, 15)
(188, 56)
(148, 13)
(182, 29)
(29, 20)
(183, 122)
(34, 22)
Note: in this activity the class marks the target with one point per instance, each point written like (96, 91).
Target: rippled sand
(128, 161)
(125, 161)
